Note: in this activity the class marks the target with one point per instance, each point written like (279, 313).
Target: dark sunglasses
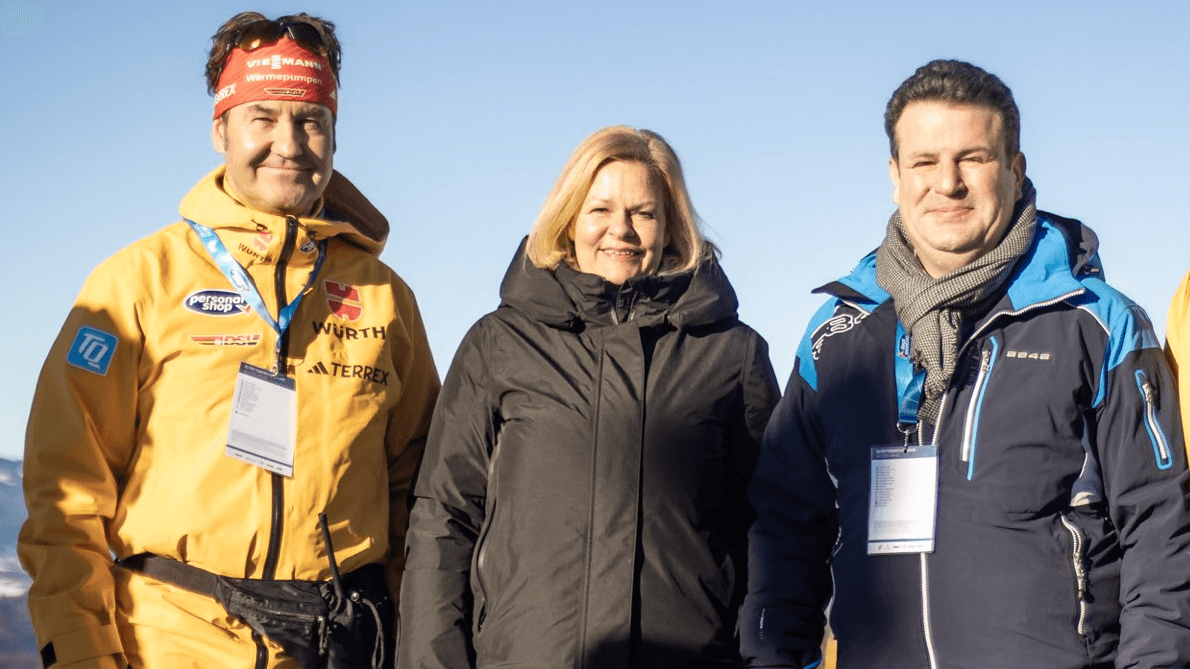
(265, 32)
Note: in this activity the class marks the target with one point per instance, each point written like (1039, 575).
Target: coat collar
(1064, 251)
(568, 299)
(343, 213)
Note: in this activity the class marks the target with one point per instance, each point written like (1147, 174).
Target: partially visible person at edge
(582, 500)
(1177, 343)
(134, 448)
(979, 446)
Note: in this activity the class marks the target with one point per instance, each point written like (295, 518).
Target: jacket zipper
(271, 556)
(1160, 446)
(856, 306)
(482, 541)
(1080, 572)
(926, 628)
(925, 571)
(974, 408)
(278, 482)
(925, 612)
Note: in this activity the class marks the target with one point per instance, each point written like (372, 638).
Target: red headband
(281, 71)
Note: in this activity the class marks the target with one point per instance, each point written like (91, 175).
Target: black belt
(344, 623)
(172, 571)
(201, 581)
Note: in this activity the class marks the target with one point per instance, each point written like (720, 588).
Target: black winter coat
(582, 499)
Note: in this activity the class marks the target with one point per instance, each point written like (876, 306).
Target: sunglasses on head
(266, 32)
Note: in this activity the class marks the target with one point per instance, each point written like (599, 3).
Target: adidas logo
(373, 374)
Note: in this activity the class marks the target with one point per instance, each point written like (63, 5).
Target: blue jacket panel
(1062, 533)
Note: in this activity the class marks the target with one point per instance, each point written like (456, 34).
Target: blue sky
(455, 118)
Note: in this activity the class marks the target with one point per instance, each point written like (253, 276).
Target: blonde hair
(549, 241)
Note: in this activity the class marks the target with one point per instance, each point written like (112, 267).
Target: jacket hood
(1082, 245)
(344, 213)
(571, 300)
(1064, 251)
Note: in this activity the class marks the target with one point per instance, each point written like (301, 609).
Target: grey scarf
(933, 310)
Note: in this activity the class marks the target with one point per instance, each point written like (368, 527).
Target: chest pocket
(970, 443)
(1017, 428)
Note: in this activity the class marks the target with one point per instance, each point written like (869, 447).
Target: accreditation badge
(262, 430)
(903, 501)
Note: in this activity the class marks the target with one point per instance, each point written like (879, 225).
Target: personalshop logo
(92, 350)
(213, 302)
(343, 300)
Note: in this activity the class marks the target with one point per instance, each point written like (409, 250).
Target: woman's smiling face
(620, 229)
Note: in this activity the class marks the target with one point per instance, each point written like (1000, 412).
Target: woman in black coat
(582, 498)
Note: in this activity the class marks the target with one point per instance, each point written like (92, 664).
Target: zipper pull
(1147, 388)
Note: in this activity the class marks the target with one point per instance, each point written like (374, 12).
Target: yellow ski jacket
(1177, 346)
(125, 448)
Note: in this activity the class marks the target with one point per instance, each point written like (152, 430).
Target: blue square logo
(92, 350)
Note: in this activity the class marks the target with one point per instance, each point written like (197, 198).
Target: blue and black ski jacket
(1062, 537)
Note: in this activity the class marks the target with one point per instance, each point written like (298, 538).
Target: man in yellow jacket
(221, 384)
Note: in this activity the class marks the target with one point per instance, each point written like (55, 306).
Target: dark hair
(955, 82)
(225, 39)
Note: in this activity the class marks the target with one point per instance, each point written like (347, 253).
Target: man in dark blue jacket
(978, 460)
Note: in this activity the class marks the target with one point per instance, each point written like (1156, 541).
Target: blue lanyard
(909, 381)
(243, 284)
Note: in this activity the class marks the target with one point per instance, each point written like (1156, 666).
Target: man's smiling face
(278, 154)
(954, 182)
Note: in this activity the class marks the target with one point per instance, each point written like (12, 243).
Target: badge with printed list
(262, 431)
(903, 500)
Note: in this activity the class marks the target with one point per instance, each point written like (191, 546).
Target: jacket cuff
(74, 648)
